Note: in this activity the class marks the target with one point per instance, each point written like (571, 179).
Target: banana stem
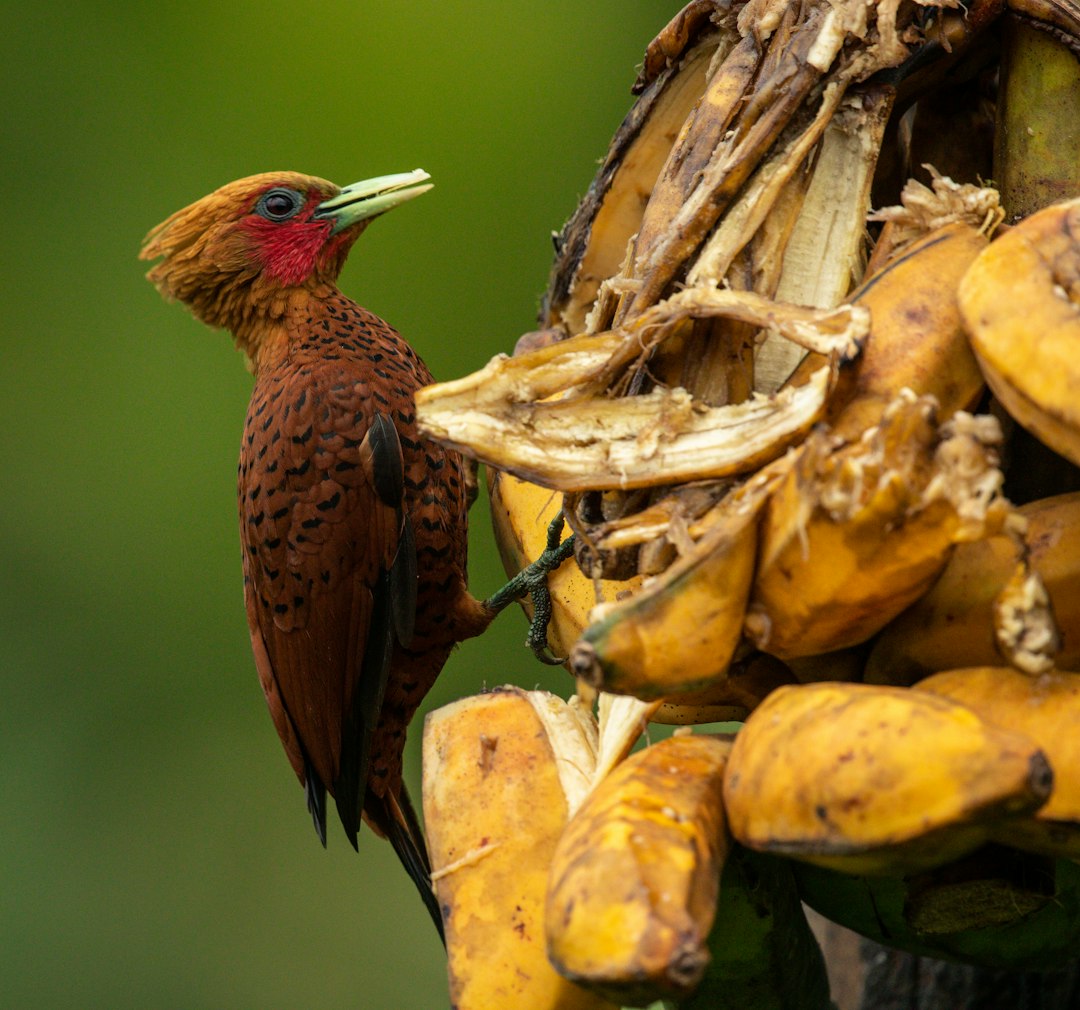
(1037, 149)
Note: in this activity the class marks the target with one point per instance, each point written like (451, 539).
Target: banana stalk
(1037, 150)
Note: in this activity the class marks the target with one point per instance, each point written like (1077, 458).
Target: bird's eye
(279, 204)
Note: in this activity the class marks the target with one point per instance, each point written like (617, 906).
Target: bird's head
(240, 256)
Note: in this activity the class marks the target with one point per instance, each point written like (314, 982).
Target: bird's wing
(322, 529)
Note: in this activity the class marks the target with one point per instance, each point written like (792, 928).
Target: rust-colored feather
(320, 541)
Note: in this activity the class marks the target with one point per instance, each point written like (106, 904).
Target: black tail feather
(315, 794)
(396, 818)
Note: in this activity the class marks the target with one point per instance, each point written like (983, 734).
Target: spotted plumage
(353, 526)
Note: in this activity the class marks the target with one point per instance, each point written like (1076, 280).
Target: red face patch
(291, 251)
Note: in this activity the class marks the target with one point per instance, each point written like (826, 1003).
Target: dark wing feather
(319, 543)
(360, 721)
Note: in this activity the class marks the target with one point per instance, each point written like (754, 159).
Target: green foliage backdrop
(154, 850)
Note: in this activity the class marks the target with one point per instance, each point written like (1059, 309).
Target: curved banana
(857, 531)
(952, 625)
(1047, 710)
(875, 780)
(501, 773)
(917, 339)
(680, 632)
(1021, 305)
(634, 877)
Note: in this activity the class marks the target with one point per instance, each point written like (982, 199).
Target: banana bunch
(823, 483)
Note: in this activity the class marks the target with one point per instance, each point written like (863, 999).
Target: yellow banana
(875, 780)
(680, 632)
(635, 875)
(917, 339)
(857, 531)
(1021, 305)
(952, 625)
(1047, 710)
(501, 773)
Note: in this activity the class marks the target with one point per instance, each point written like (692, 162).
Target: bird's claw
(556, 552)
(537, 638)
(532, 582)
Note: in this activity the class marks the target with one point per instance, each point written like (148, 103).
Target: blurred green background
(155, 851)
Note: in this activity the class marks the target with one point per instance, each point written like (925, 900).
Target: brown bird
(353, 526)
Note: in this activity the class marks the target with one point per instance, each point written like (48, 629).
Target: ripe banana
(501, 773)
(952, 625)
(680, 631)
(857, 531)
(917, 339)
(1021, 305)
(1046, 709)
(875, 780)
(634, 876)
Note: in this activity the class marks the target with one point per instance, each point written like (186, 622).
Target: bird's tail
(394, 817)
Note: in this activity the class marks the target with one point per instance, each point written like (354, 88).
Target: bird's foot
(532, 582)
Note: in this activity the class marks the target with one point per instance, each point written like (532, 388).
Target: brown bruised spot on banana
(1021, 304)
(635, 875)
(876, 780)
(857, 531)
(1046, 709)
(954, 624)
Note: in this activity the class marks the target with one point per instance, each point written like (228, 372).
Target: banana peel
(1046, 709)
(501, 773)
(634, 877)
(591, 246)
(1021, 305)
(952, 625)
(875, 780)
(509, 416)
